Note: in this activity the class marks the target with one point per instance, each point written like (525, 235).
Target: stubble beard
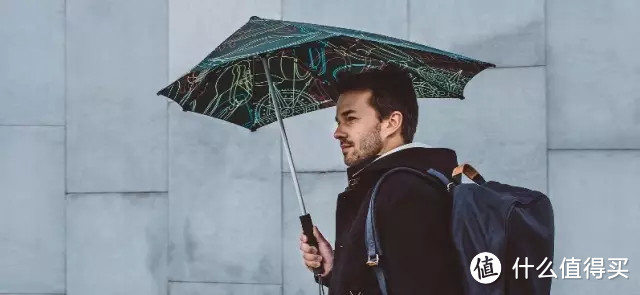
(370, 144)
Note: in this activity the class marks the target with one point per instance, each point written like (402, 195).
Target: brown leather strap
(468, 171)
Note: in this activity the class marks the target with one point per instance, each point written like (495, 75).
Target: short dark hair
(392, 91)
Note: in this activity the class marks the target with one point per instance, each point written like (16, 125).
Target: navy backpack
(521, 223)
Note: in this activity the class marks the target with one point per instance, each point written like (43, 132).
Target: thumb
(318, 234)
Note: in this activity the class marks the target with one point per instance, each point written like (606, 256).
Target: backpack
(521, 223)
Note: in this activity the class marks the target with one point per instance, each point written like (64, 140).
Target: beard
(369, 145)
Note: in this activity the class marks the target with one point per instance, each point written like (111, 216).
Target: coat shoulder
(403, 186)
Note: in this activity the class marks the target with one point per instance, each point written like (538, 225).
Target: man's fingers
(308, 249)
(312, 257)
(308, 257)
(310, 254)
(312, 264)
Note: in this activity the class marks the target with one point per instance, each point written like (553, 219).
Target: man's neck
(392, 144)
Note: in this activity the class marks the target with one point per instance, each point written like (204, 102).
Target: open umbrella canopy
(304, 61)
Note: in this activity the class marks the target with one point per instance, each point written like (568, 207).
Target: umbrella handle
(307, 229)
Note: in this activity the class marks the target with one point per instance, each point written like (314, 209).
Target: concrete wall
(106, 188)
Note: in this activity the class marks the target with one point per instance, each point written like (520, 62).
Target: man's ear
(392, 124)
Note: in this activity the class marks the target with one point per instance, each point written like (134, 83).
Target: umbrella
(269, 70)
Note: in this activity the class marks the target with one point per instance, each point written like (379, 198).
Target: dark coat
(413, 218)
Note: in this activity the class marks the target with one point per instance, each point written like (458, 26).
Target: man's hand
(313, 259)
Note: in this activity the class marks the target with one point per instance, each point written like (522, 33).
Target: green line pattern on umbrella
(305, 61)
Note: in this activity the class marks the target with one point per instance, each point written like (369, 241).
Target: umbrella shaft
(285, 141)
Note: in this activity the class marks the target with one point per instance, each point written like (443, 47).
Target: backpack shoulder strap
(447, 183)
(372, 242)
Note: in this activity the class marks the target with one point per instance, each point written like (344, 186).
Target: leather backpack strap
(468, 171)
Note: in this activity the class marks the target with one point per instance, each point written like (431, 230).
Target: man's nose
(338, 134)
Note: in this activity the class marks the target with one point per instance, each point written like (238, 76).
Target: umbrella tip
(254, 18)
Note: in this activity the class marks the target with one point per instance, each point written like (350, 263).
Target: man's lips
(344, 146)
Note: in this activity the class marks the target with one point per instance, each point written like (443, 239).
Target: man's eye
(351, 118)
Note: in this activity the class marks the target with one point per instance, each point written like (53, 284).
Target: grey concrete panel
(593, 74)
(197, 27)
(503, 32)
(595, 201)
(385, 17)
(32, 245)
(32, 62)
(116, 125)
(500, 128)
(223, 289)
(225, 199)
(320, 192)
(117, 244)
(312, 144)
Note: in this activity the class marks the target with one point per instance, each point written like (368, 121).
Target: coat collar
(404, 146)
(414, 155)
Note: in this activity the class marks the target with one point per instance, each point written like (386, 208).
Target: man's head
(376, 112)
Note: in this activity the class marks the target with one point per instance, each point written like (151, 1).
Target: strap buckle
(373, 260)
(450, 186)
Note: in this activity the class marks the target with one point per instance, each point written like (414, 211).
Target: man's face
(358, 127)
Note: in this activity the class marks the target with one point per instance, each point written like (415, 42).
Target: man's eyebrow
(347, 112)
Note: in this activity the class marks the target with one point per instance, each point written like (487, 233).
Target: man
(377, 115)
